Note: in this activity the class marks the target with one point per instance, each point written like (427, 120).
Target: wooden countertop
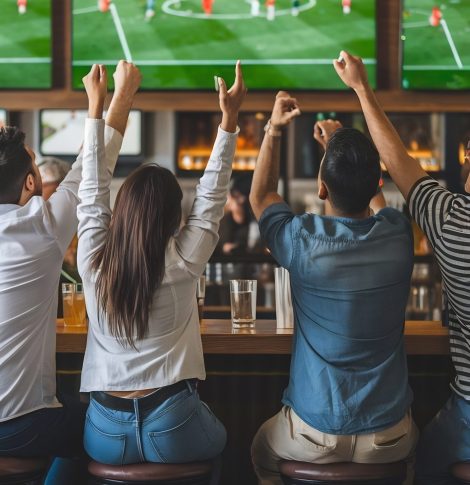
(218, 337)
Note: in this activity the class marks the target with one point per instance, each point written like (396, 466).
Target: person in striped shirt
(445, 219)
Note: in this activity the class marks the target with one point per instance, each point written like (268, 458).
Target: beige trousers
(286, 436)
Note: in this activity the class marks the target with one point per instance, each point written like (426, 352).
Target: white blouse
(172, 349)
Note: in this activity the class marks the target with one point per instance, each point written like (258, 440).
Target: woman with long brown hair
(144, 353)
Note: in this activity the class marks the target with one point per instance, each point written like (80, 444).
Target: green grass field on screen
(436, 57)
(25, 45)
(182, 48)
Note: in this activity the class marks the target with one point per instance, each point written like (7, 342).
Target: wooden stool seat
(461, 471)
(22, 470)
(197, 473)
(296, 472)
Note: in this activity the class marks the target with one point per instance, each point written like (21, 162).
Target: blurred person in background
(239, 231)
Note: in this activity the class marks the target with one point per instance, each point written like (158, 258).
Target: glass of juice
(73, 300)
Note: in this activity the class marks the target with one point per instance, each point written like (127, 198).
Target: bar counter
(218, 337)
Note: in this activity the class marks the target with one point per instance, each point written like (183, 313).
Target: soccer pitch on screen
(436, 44)
(25, 44)
(285, 44)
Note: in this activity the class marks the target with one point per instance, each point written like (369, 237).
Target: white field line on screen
(221, 62)
(120, 32)
(451, 44)
(25, 60)
(420, 67)
(85, 10)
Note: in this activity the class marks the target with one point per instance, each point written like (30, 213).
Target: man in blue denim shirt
(348, 397)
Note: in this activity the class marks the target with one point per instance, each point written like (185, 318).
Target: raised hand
(323, 130)
(284, 111)
(351, 70)
(96, 87)
(231, 100)
(127, 79)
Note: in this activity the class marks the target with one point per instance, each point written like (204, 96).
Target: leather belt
(146, 403)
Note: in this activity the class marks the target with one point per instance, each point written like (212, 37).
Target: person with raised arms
(140, 270)
(34, 236)
(445, 219)
(348, 397)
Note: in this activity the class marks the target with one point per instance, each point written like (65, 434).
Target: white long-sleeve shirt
(172, 349)
(33, 240)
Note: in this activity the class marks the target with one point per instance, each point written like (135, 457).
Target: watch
(272, 131)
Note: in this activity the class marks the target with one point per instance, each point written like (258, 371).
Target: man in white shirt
(34, 235)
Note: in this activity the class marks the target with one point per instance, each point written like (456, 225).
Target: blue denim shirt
(350, 280)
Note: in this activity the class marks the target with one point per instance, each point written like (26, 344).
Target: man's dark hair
(15, 164)
(350, 170)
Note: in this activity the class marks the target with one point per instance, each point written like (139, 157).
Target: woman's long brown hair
(130, 265)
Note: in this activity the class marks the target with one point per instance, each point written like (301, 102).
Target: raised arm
(404, 170)
(94, 211)
(197, 239)
(266, 176)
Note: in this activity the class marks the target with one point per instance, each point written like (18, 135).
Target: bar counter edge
(218, 337)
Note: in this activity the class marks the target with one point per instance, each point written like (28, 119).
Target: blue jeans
(50, 432)
(444, 441)
(181, 429)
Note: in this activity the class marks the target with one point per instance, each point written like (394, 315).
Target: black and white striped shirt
(445, 219)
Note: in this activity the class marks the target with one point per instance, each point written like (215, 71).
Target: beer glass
(73, 301)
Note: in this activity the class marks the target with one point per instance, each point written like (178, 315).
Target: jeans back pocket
(104, 447)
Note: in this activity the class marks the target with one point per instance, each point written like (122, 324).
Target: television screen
(25, 44)
(182, 44)
(436, 44)
(62, 133)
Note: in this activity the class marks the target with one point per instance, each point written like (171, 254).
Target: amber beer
(73, 301)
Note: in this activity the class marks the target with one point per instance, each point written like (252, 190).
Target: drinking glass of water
(243, 303)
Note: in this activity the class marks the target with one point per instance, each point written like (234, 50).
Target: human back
(140, 270)
(350, 270)
(350, 282)
(350, 276)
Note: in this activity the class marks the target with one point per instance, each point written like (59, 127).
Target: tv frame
(402, 63)
(51, 66)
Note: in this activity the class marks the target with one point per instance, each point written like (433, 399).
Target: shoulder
(393, 217)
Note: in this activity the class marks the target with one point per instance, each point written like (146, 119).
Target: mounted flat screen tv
(61, 134)
(182, 44)
(436, 44)
(25, 44)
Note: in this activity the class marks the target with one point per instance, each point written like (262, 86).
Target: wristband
(272, 131)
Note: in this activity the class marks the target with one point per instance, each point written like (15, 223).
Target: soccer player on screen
(22, 4)
(207, 6)
(150, 10)
(103, 5)
(436, 17)
(255, 8)
(271, 9)
(346, 6)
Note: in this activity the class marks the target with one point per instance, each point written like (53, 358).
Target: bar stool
(300, 473)
(461, 471)
(198, 473)
(24, 471)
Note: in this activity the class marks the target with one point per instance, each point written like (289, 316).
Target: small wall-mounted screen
(25, 44)
(182, 44)
(436, 44)
(62, 133)
(3, 118)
